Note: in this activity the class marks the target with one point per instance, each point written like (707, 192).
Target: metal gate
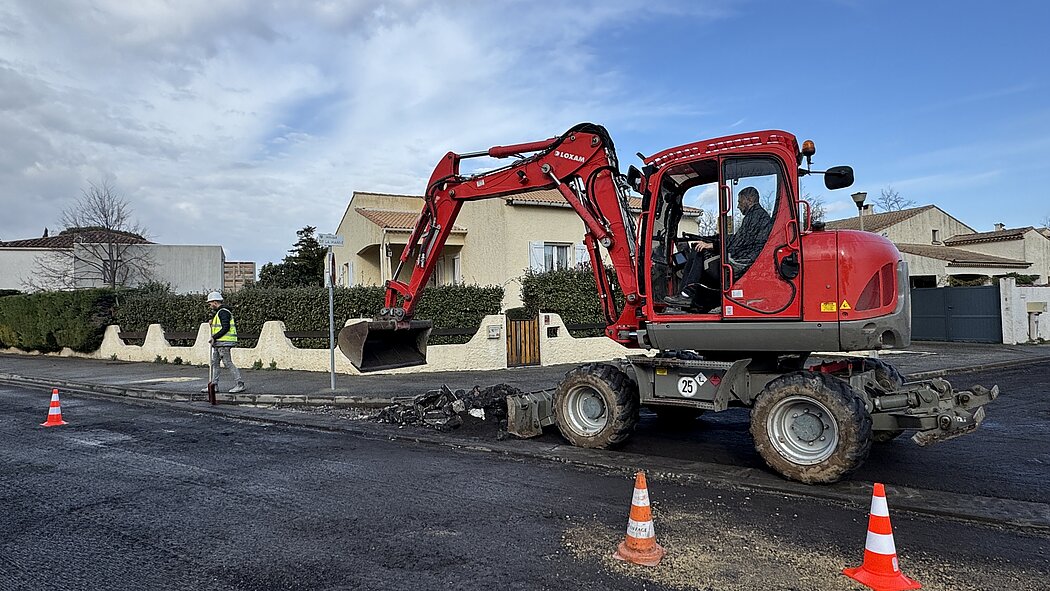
(969, 314)
(523, 342)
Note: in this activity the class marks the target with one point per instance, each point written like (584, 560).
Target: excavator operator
(700, 280)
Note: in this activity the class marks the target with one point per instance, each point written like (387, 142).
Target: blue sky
(268, 117)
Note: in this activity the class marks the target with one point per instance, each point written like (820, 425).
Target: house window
(555, 256)
(457, 270)
(936, 236)
(550, 256)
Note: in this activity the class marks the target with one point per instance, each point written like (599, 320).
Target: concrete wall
(481, 353)
(189, 269)
(18, 265)
(1020, 325)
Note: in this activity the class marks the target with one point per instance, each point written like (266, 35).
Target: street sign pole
(330, 240)
(331, 314)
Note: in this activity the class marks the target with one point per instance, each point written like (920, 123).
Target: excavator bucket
(377, 345)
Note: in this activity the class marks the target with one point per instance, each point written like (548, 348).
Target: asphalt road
(1008, 457)
(154, 496)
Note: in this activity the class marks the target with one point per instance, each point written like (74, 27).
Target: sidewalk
(175, 382)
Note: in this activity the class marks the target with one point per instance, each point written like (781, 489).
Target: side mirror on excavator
(634, 179)
(838, 177)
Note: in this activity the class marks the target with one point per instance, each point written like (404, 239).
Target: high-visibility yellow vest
(216, 326)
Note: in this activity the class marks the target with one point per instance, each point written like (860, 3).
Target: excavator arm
(580, 164)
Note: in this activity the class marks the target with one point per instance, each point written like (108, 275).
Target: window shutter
(582, 256)
(536, 256)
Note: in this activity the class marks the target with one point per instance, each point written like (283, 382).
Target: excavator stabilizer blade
(378, 345)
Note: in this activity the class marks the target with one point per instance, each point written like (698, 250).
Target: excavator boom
(581, 164)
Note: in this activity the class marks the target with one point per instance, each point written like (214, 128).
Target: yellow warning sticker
(661, 371)
(845, 306)
(828, 307)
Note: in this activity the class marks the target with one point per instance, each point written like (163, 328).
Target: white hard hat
(214, 297)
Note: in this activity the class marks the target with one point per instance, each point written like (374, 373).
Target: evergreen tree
(302, 267)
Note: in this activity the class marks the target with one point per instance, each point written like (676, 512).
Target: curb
(992, 511)
(940, 373)
(223, 398)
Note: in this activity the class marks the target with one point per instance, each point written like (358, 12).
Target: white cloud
(236, 122)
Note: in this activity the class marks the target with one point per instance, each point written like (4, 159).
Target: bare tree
(104, 245)
(817, 207)
(891, 200)
(707, 223)
(1045, 222)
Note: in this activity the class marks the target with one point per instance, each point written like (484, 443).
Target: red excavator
(729, 320)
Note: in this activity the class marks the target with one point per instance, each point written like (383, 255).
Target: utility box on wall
(1036, 307)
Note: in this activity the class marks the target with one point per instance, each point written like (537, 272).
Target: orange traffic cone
(54, 414)
(880, 569)
(640, 545)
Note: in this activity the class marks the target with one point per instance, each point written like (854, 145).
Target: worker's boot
(680, 301)
(238, 388)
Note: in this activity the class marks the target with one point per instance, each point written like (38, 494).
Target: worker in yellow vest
(223, 339)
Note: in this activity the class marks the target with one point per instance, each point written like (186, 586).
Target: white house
(40, 262)
(938, 246)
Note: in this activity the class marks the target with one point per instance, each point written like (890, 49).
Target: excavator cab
(726, 242)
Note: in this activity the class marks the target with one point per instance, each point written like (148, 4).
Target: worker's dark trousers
(220, 353)
(702, 266)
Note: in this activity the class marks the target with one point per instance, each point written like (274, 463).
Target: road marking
(166, 380)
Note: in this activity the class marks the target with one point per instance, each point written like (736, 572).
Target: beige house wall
(919, 228)
(535, 224)
(494, 251)
(1033, 248)
(923, 266)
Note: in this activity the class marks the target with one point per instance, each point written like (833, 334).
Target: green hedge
(306, 308)
(48, 321)
(570, 293)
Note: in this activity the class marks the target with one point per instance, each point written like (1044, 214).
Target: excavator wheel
(886, 375)
(596, 406)
(811, 427)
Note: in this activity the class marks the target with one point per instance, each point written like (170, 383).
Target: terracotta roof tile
(996, 236)
(958, 257)
(876, 222)
(396, 220)
(67, 237)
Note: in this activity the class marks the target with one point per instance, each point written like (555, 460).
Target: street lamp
(859, 198)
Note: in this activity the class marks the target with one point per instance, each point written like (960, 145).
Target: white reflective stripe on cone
(879, 508)
(54, 398)
(54, 410)
(641, 498)
(880, 544)
(640, 530)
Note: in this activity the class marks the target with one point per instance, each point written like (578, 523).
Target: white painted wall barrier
(1025, 312)
(482, 352)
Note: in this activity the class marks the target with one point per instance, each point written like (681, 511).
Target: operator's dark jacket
(746, 243)
(224, 319)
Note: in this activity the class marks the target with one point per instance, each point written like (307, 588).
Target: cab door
(760, 247)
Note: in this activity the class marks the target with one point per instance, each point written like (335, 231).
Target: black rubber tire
(618, 393)
(888, 377)
(886, 436)
(677, 417)
(852, 421)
